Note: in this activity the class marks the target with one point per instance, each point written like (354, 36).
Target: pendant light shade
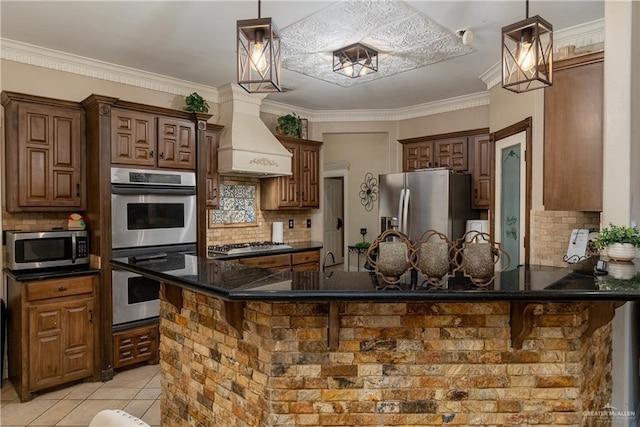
(527, 54)
(356, 60)
(258, 46)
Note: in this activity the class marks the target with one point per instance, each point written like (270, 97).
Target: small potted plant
(290, 125)
(196, 104)
(620, 242)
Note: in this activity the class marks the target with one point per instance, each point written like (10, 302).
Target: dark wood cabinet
(481, 175)
(465, 151)
(137, 345)
(45, 143)
(176, 143)
(436, 151)
(151, 140)
(302, 188)
(52, 332)
(452, 153)
(296, 261)
(309, 172)
(573, 135)
(211, 142)
(305, 261)
(418, 155)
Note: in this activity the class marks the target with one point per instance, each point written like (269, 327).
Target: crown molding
(589, 33)
(405, 113)
(61, 61)
(48, 58)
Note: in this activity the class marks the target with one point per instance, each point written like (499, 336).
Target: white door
(510, 190)
(333, 220)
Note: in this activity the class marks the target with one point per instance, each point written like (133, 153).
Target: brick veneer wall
(397, 364)
(551, 231)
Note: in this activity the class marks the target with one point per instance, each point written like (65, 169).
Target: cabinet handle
(62, 289)
(78, 190)
(90, 316)
(162, 155)
(151, 154)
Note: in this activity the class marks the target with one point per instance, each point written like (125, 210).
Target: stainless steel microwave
(44, 249)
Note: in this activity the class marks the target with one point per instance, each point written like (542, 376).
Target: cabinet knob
(90, 316)
(78, 190)
(162, 155)
(62, 289)
(151, 154)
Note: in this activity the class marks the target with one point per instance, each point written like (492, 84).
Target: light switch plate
(290, 223)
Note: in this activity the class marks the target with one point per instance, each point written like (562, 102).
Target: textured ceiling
(404, 38)
(195, 41)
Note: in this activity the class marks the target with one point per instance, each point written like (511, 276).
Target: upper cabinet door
(452, 153)
(309, 176)
(133, 138)
(176, 143)
(44, 146)
(573, 135)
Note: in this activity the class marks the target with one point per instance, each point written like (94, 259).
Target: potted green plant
(290, 125)
(196, 104)
(620, 242)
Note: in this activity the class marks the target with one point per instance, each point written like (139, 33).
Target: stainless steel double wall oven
(153, 212)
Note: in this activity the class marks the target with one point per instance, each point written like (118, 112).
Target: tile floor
(136, 391)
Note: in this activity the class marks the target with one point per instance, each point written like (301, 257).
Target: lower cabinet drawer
(135, 346)
(270, 261)
(305, 257)
(54, 288)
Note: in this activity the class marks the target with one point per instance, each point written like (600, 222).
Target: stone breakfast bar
(254, 347)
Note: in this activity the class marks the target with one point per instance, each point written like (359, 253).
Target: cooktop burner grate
(238, 248)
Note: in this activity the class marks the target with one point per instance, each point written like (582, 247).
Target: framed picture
(305, 128)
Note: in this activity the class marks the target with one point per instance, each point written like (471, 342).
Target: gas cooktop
(240, 248)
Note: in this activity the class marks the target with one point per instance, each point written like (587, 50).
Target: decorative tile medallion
(237, 205)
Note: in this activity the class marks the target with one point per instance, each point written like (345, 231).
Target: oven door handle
(143, 189)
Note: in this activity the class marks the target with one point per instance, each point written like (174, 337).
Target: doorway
(510, 213)
(334, 220)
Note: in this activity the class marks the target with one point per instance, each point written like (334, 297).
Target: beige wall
(364, 152)
(18, 77)
(453, 121)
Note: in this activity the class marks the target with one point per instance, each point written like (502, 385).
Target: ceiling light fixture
(527, 54)
(258, 55)
(356, 60)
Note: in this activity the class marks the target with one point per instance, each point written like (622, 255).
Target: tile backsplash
(237, 205)
(260, 230)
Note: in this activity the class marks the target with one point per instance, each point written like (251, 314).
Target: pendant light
(258, 45)
(527, 54)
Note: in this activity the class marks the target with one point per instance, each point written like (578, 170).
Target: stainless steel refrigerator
(434, 199)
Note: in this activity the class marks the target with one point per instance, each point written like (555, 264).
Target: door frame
(516, 128)
(340, 170)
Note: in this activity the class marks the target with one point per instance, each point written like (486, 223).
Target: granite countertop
(295, 247)
(235, 282)
(49, 273)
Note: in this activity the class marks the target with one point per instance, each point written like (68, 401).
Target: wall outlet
(308, 222)
(290, 223)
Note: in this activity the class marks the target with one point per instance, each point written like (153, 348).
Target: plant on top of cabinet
(196, 104)
(290, 125)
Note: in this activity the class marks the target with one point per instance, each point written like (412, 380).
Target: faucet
(324, 261)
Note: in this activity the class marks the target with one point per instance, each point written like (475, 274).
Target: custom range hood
(247, 147)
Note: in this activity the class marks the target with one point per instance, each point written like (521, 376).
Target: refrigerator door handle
(400, 209)
(405, 214)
